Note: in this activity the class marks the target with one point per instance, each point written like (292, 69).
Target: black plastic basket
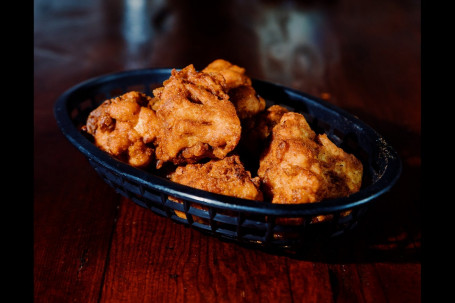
(245, 221)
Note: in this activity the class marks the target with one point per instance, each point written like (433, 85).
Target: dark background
(92, 245)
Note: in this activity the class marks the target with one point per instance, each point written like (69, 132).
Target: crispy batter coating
(234, 75)
(302, 167)
(212, 114)
(238, 86)
(246, 101)
(123, 127)
(197, 118)
(227, 177)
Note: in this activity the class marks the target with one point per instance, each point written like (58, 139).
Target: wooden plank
(310, 281)
(401, 283)
(345, 283)
(153, 258)
(72, 229)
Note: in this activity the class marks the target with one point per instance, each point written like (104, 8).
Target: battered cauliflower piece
(246, 101)
(197, 119)
(301, 167)
(238, 86)
(227, 177)
(234, 75)
(125, 128)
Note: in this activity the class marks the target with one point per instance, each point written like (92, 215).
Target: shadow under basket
(249, 222)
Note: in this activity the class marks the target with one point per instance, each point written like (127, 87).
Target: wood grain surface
(93, 245)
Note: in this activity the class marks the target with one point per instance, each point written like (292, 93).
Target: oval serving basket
(244, 221)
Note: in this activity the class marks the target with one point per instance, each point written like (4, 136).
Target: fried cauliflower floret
(124, 126)
(238, 86)
(227, 177)
(246, 101)
(234, 75)
(197, 119)
(302, 167)
(343, 171)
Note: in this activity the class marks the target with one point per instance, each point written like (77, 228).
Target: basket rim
(367, 194)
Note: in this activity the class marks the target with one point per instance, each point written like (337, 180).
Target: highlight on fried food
(238, 86)
(301, 167)
(124, 127)
(233, 75)
(197, 119)
(226, 176)
(203, 124)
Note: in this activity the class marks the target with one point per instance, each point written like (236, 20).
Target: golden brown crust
(197, 118)
(123, 127)
(234, 75)
(239, 87)
(227, 177)
(302, 167)
(246, 101)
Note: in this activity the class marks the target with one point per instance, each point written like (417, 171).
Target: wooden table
(93, 245)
